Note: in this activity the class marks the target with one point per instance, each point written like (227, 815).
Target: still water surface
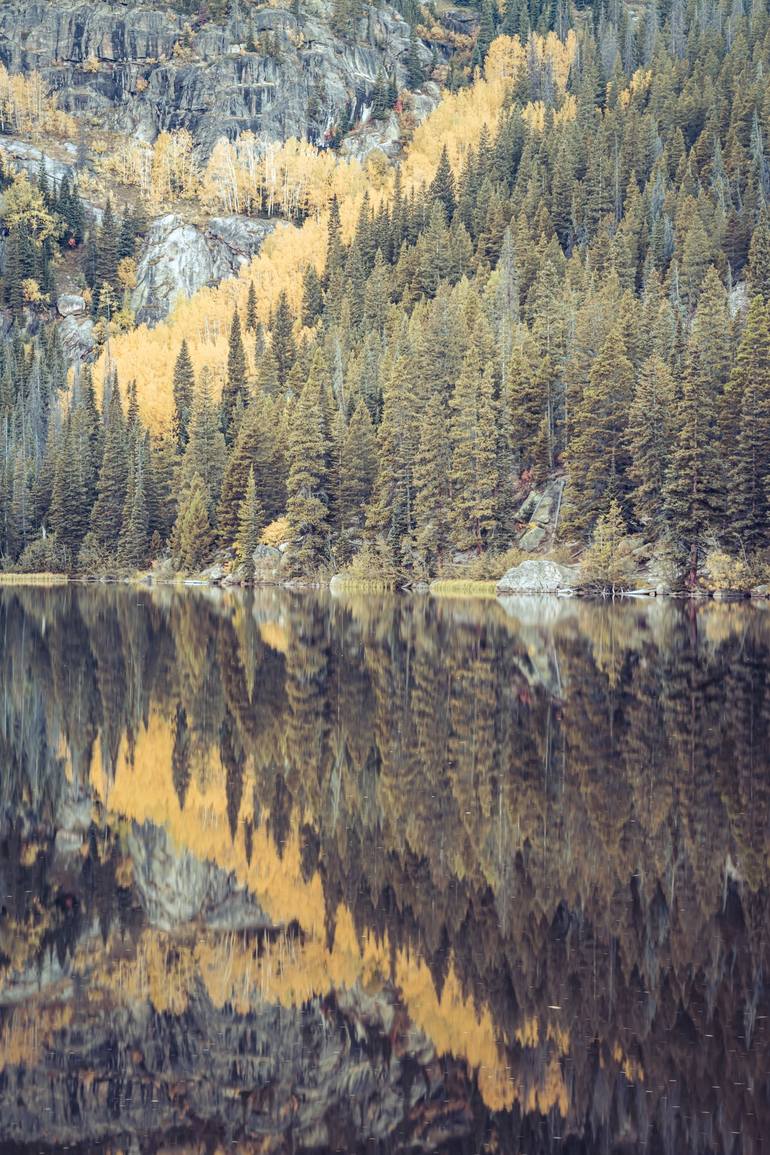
(285, 873)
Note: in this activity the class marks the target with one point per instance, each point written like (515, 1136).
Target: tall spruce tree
(183, 390)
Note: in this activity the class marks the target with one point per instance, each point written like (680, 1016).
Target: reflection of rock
(177, 887)
(178, 259)
(537, 576)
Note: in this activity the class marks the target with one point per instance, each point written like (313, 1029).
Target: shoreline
(446, 588)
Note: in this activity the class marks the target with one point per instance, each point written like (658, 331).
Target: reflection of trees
(567, 816)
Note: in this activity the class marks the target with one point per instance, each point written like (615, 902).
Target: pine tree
(235, 390)
(431, 488)
(69, 513)
(307, 487)
(335, 253)
(282, 331)
(184, 390)
(473, 436)
(193, 538)
(442, 187)
(107, 513)
(597, 454)
(606, 563)
(106, 263)
(250, 523)
(650, 440)
(206, 453)
(251, 309)
(414, 70)
(357, 468)
(694, 493)
(134, 538)
(748, 454)
(759, 260)
(312, 297)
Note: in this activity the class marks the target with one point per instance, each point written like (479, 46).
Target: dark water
(282, 874)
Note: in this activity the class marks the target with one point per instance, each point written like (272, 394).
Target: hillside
(567, 270)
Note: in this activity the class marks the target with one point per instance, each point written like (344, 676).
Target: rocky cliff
(143, 69)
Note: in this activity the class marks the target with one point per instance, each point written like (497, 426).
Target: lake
(284, 872)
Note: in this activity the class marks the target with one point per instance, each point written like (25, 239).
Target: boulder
(70, 305)
(383, 135)
(537, 576)
(267, 563)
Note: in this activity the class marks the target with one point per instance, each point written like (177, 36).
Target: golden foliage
(26, 107)
(296, 178)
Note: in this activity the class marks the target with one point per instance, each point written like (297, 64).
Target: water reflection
(284, 873)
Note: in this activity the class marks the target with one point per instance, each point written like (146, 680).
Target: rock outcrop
(178, 258)
(537, 576)
(143, 69)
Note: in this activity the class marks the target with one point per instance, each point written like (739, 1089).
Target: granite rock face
(144, 69)
(178, 258)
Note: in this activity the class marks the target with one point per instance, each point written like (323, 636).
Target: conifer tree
(694, 492)
(69, 513)
(193, 538)
(282, 331)
(442, 187)
(357, 468)
(184, 390)
(251, 309)
(335, 254)
(431, 488)
(134, 538)
(206, 453)
(759, 260)
(235, 389)
(312, 297)
(308, 484)
(597, 454)
(650, 440)
(107, 513)
(748, 454)
(250, 523)
(473, 436)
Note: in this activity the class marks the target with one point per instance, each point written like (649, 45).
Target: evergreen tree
(307, 488)
(235, 390)
(442, 187)
(312, 297)
(694, 493)
(474, 479)
(748, 457)
(184, 390)
(193, 538)
(358, 465)
(650, 441)
(107, 513)
(431, 486)
(759, 260)
(250, 524)
(69, 513)
(282, 332)
(251, 309)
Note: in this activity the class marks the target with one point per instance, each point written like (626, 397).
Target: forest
(567, 274)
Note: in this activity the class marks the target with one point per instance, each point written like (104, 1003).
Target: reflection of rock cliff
(538, 846)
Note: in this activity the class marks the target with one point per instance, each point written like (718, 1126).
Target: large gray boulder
(178, 258)
(538, 576)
